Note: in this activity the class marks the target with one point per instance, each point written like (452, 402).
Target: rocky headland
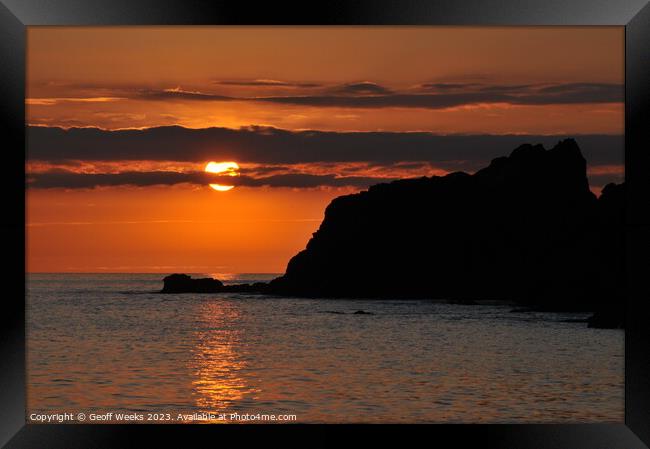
(525, 229)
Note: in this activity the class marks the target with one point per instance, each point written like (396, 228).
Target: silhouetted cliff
(525, 228)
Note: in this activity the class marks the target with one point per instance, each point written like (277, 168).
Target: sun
(224, 169)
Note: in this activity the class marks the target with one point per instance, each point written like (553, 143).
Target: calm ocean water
(100, 343)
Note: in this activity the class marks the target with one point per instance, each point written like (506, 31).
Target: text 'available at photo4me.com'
(131, 417)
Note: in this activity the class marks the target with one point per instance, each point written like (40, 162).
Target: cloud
(178, 94)
(55, 101)
(447, 86)
(307, 180)
(266, 83)
(602, 180)
(362, 88)
(71, 180)
(263, 145)
(373, 96)
(481, 87)
(566, 94)
(582, 87)
(601, 175)
(67, 179)
(525, 89)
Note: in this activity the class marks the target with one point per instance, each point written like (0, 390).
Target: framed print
(308, 224)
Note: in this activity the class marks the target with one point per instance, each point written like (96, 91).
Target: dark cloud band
(434, 96)
(613, 94)
(277, 146)
(71, 180)
(370, 95)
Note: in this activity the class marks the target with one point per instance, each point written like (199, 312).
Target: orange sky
(263, 90)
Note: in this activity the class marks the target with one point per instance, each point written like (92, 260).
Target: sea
(103, 345)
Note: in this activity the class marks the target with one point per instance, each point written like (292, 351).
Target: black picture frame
(634, 15)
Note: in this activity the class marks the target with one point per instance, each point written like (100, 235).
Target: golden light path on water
(223, 168)
(216, 365)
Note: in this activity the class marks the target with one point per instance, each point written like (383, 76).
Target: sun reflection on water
(215, 364)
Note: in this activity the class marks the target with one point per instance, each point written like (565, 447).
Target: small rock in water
(182, 283)
(362, 312)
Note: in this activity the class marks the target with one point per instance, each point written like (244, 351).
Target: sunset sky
(123, 120)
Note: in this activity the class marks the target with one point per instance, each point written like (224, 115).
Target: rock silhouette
(182, 283)
(526, 228)
(362, 312)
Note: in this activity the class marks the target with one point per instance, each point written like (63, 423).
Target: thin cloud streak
(55, 101)
(267, 83)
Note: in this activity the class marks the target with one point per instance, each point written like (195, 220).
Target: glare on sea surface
(216, 364)
(222, 168)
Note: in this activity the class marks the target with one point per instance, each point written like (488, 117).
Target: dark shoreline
(182, 284)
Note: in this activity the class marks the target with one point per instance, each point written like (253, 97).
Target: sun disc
(224, 169)
(220, 188)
